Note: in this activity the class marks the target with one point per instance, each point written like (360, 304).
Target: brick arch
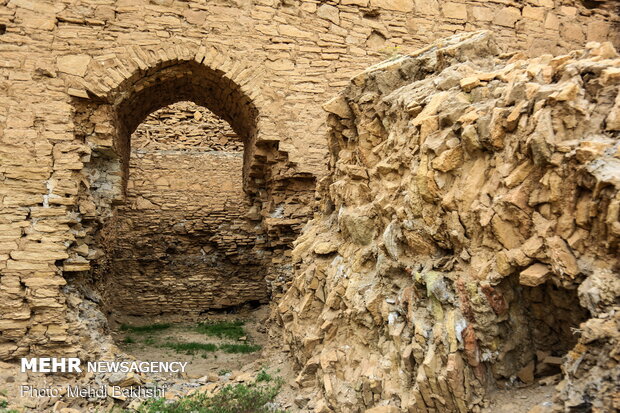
(106, 76)
(188, 80)
(120, 89)
(117, 90)
(135, 81)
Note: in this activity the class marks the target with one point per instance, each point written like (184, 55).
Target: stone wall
(185, 127)
(181, 242)
(77, 77)
(469, 233)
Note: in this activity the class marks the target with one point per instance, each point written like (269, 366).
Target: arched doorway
(194, 245)
(181, 241)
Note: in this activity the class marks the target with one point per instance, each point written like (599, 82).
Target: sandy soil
(520, 400)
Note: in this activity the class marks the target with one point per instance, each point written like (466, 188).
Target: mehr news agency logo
(75, 365)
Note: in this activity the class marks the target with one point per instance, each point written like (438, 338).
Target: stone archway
(122, 88)
(83, 180)
(106, 116)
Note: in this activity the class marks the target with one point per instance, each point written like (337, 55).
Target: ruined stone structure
(181, 242)
(77, 78)
(469, 232)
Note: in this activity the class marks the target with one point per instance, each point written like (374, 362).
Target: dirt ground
(151, 346)
(204, 369)
(271, 357)
(520, 400)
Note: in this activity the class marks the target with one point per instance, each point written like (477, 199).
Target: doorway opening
(541, 326)
(180, 243)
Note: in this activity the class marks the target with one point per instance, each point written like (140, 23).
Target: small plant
(252, 398)
(224, 372)
(192, 347)
(149, 341)
(223, 329)
(129, 340)
(5, 403)
(263, 376)
(239, 348)
(240, 398)
(151, 328)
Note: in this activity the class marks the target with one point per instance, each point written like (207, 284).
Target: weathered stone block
(73, 64)
(507, 16)
(533, 13)
(396, 5)
(430, 7)
(454, 10)
(327, 12)
(535, 275)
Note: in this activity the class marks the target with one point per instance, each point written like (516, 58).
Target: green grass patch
(129, 340)
(223, 329)
(192, 347)
(240, 398)
(263, 376)
(239, 348)
(151, 328)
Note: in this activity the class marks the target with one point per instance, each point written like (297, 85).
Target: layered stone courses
(185, 126)
(181, 242)
(78, 77)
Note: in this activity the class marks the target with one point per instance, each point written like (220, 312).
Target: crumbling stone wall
(181, 243)
(185, 127)
(77, 77)
(469, 232)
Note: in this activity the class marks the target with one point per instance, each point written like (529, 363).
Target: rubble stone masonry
(181, 243)
(468, 235)
(78, 77)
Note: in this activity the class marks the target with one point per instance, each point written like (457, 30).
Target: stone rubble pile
(468, 233)
(185, 126)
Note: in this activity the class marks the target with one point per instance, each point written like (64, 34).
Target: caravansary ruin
(423, 192)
